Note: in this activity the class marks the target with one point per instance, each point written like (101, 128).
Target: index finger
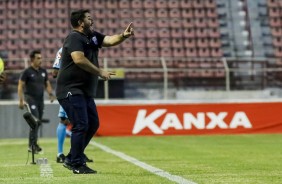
(129, 26)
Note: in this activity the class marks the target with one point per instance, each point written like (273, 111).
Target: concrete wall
(13, 125)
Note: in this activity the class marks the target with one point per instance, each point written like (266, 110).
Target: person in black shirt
(31, 87)
(77, 83)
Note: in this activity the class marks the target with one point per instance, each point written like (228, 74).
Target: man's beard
(87, 30)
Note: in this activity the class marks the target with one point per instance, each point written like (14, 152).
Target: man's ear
(81, 23)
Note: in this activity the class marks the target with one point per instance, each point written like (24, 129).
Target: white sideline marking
(143, 165)
(46, 171)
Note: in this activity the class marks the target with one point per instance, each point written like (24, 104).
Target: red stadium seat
(189, 43)
(191, 52)
(139, 33)
(25, 34)
(210, 4)
(176, 33)
(125, 13)
(200, 13)
(38, 23)
(74, 4)
(198, 4)
(50, 13)
(211, 13)
(202, 43)
(25, 14)
(151, 33)
(201, 33)
(178, 52)
(148, 4)
(137, 13)
(185, 4)
(277, 41)
(127, 52)
(38, 13)
(213, 22)
(115, 52)
(13, 34)
(155, 63)
(150, 13)
(136, 4)
(165, 52)
(12, 44)
(25, 4)
(153, 52)
(50, 23)
(124, 4)
(139, 43)
(173, 4)
(204, 52)
(188, 23)
(49, 4)
(151, 43)
(62, 23)
(175, 23)
(37, 4)
(215, 43)
(163, 22)
(276, 31)
(62, 4)
(216, 52)
(189, 33)
(12, 14)
(162, 13)
(161, 3)
(174, 13)
(112, 13)
(187, 13)
(99, 4)
(12, 23)
(164, 43)
(62, 13)
(151, 23)
(274, 12)
(275, 22)
(13, 4)
(24, 44)
(140, 52)
(112, 23)
(85, 4)
(177, 43)
(163, 33)
(127, 44)
(200, 22)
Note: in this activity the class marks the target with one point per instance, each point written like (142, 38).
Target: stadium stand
(191, 31)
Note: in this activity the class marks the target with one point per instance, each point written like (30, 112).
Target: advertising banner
(190, 119)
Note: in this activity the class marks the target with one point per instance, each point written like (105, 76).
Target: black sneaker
(30, 150)
(61, 158)
(38, 148)
(67, 164)
(83, 169)
(87, 159)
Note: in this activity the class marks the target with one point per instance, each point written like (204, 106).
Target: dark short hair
(33, 53)
(77, 16)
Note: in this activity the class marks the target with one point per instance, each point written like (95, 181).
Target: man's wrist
(123, 36)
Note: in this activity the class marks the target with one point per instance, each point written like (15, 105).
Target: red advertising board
(190, 119)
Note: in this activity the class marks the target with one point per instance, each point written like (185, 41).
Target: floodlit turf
(224, 159)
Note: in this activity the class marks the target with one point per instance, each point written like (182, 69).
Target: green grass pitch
(217, 159)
